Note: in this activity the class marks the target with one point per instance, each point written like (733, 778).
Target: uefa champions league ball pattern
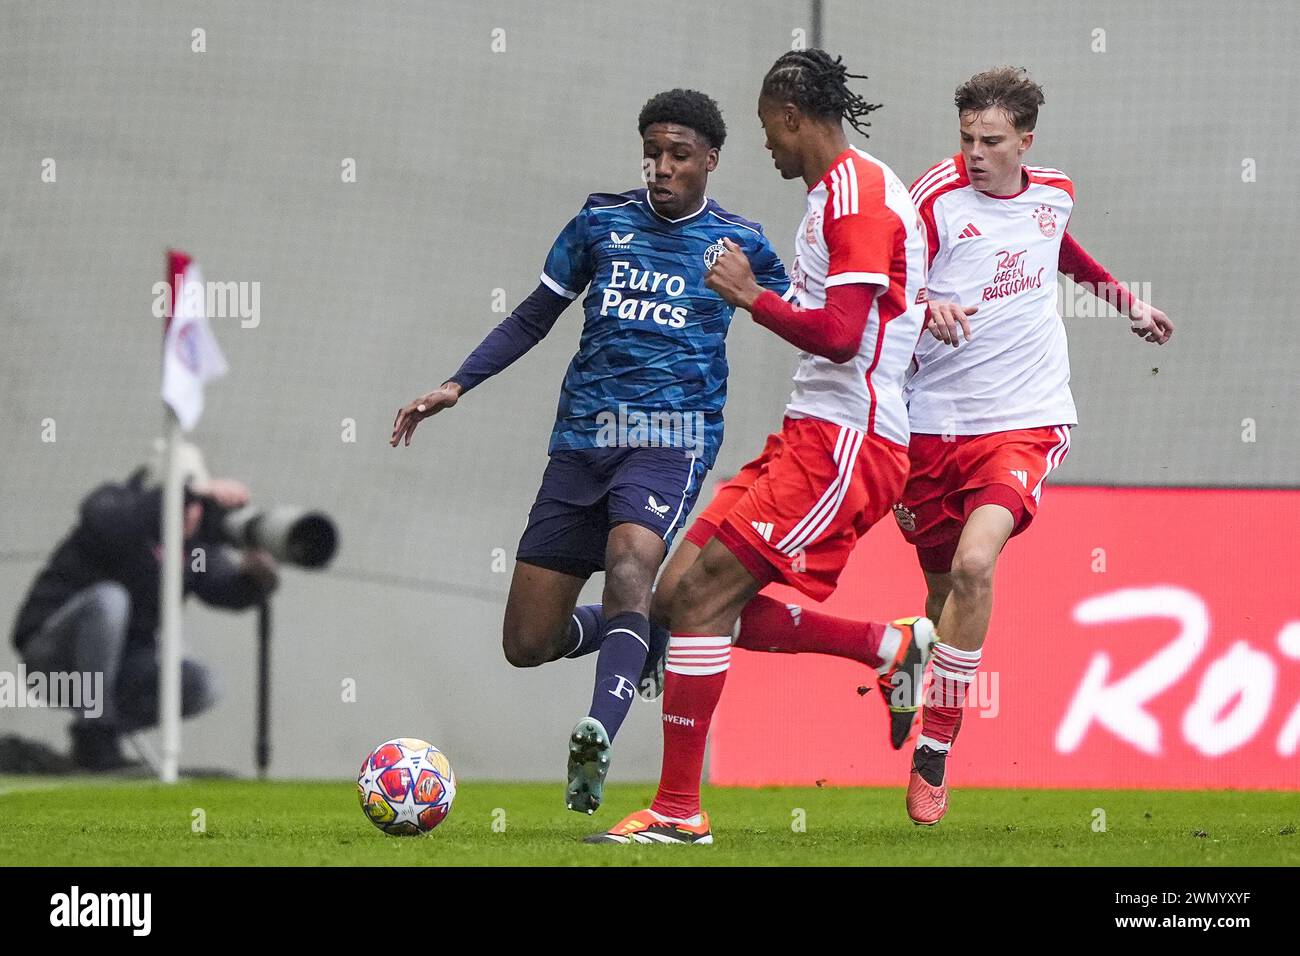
(406, 786)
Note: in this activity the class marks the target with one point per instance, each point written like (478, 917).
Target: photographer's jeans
(87, 635)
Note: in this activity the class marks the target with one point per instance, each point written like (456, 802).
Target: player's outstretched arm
(518, 332)
(833, 332)
(431, 403)
(1145, 320)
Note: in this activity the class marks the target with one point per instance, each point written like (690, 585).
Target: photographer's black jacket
(117, 540)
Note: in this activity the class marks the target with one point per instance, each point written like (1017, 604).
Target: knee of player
(628, 582)
(523, 650)
(972, 569)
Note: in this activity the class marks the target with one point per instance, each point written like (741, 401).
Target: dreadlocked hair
(818, 85)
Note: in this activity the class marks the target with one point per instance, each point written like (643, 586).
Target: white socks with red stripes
(954, 669)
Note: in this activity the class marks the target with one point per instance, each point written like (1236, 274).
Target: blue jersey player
(639, 421)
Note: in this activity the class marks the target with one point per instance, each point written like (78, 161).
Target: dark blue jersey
(651, 366)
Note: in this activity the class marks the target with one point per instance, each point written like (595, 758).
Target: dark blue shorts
(585, 492)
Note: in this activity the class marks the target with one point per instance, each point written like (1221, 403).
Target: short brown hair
(1008, 87)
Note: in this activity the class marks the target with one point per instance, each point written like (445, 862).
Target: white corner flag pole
(191, 357)
(169, 658)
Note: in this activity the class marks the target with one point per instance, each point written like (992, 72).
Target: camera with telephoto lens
(297, 536)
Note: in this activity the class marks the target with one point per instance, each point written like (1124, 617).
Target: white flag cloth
(191, 355)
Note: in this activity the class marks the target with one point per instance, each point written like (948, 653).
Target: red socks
(695, 673)
(769, 625)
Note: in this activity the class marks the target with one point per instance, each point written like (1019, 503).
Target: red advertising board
(1141, 637)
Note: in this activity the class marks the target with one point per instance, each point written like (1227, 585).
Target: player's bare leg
(539, 613)
(964, 619)
(632, 559)
(772, 629)
(712, 592)
(633, 554)
(707, 601)
(665, 591)
(962, 625)
(937, 586)
(661, 603)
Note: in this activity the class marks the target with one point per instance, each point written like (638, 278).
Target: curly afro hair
(689, 108)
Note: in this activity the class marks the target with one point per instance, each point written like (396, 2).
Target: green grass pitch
(100, 822)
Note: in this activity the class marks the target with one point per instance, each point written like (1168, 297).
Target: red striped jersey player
(839, 461)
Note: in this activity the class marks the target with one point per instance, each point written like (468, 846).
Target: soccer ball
(406, 786)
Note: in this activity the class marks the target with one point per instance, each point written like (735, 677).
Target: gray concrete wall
(468, 163)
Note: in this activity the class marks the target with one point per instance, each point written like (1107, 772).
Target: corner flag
(191, 355)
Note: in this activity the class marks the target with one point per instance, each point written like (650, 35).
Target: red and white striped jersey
(860, 227)
(1000, 254)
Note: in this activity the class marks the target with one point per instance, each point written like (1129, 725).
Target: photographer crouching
(94, 607)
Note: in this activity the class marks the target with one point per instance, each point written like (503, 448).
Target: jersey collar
(1026, 177)
(658, 215)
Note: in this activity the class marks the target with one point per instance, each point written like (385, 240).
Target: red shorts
(794, 513)
(951, 478)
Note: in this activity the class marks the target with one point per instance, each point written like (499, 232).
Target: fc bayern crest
(811, 227)
(905, 517)
(1045, 216)
(712, 254)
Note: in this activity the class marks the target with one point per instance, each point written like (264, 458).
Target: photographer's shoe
(98, 749)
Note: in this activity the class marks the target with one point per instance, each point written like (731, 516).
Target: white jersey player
(989, 395)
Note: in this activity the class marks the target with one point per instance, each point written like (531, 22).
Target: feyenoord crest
(1045, 216)
(905, 517)
(712, 254)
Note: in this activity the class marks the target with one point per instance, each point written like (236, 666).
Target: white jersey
(860, 227)
(1000, 254)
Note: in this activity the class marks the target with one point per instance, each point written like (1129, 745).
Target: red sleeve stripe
(1050, 177)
